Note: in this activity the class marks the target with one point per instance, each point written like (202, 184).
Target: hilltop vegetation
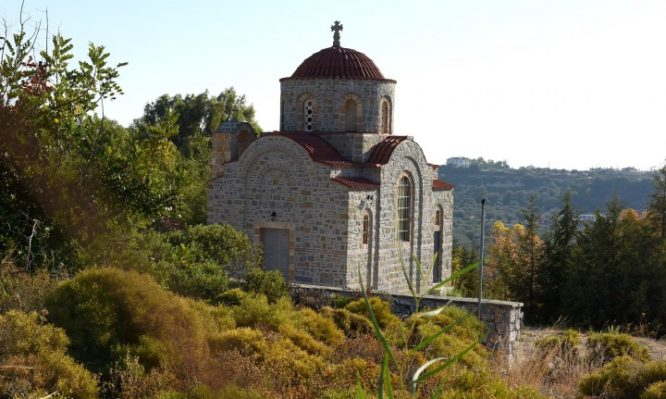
(111, 286)
(508, 191)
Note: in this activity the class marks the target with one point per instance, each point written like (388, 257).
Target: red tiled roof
(357, 183)
(319, 149)
(441, 185)
(338, 63)
(382, 151)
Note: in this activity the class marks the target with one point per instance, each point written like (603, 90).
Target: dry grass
(554, 371)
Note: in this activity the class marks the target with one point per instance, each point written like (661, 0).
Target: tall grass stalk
(430, 368)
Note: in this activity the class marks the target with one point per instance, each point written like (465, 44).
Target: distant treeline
(507, 191)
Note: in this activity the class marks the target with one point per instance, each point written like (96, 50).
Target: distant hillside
(508, 190)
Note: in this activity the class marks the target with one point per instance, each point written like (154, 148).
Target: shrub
(381, 308)
(351, 324)
(254, 310)
(24, 291)
(232, 297)
(623, 378)
(655, 391)
(108, 312)
(566, 342)
(303, 340)
(246, 341)
(604, 347)
(35, 354)
(204, 392)
(482, 385)
(320, 327)
(270, 283)
(221, 244)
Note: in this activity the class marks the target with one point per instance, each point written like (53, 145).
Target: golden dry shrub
(351, 324)
(655, 391)
(564, 342)
(303, 340)
(255, 310)
(481, 384)
(110, 312)
(381, 309)
(320, 326)
(623, 378)
(246, 341)
(604, 347)
(34, 360)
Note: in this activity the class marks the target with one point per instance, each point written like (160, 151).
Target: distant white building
(458, 162)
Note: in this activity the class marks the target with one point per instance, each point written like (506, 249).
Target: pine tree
(657, 205)
(556, 259)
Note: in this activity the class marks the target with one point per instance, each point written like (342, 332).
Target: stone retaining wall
(503, 319)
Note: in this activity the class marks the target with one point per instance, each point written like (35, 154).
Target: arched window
(366, 227)
(438, 218)
(386, 117)
(308, 115)
(350, 115)
(404, 208)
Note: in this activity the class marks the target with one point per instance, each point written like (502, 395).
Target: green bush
(108, 312)
(270, 283)
(623, 378)
(232, 297)
(603, 347)
(480, 384)
(220, 243)
(255, 310)
(37, 362)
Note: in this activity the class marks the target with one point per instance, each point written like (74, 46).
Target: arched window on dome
(350, 115)
(386, 117)
(308, 114)
(404, 208)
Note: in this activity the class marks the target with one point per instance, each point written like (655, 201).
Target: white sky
(569, 83)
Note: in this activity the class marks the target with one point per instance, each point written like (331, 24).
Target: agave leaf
(457, 274)
(373, 320)
(360, 392)
(447, 364)
(427, 340)
(417, 373)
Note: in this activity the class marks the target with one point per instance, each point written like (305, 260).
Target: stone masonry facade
(326, 195)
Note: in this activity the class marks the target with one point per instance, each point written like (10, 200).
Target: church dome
(338, 63)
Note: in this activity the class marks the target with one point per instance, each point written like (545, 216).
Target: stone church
(335, 191)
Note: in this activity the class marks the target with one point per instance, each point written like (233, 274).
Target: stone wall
(275, 184)
(503, 319)
(329, 96)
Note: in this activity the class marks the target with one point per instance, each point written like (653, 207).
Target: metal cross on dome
(336, 27)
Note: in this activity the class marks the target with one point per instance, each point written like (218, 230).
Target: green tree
(556, 259)
(48, 196)
(529, 245)
(658, 201)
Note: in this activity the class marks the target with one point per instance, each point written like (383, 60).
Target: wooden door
(276, 250)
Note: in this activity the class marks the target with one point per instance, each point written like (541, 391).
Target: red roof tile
(319, 149)
(382, 151)
(338, 63)
(357, 183)
(441, 185)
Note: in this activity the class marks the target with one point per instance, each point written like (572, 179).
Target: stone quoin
(335, 191)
